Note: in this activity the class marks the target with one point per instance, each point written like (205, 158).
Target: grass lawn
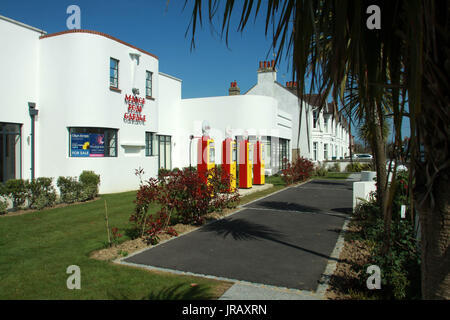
(36, 249)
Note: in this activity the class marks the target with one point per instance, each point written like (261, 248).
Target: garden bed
(130, 246)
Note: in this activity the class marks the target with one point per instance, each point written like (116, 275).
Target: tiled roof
(313, 99)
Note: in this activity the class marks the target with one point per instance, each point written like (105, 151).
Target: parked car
(364, 156)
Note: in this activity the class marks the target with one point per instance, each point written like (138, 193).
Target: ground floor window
(325, 151)
(315, 151)
(151, 144)
(268, 155)
(92, 142)
(284, 153)
(165, 152)
(10, 151)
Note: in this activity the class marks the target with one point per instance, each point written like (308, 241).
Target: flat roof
(22, 24)
(169, 76)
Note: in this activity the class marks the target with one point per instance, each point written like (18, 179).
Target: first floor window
(151, 144)
(165, 152)
(114, 73)
(10, 151)
(315, 118)
(325, 151)
(92, 142)
(148, 84)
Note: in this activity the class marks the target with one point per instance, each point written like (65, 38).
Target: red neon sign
(135, 107)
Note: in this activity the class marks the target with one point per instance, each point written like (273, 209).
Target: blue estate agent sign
(87, 145)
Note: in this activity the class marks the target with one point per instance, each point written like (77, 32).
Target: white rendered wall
(258, 115)
(74, 92)
(19, 65)
(289, 103)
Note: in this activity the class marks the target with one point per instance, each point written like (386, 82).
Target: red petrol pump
(205, 156)
(229, 161)
(245, 164)
(259, 164)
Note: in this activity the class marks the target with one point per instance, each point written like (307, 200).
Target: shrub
(336, 167)
(3, 203)
(3, 199)
(16, 190)
(299, 170)
(70, 189)
(321, 170)
(89, 185)
(400, 264)
(355, 167)
(180, 192)
(41, 193)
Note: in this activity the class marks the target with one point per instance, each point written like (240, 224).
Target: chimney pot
(272, 63)
(265, 64)
(260, 64)
(234, 90)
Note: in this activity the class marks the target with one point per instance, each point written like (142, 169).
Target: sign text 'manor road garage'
(134, 113)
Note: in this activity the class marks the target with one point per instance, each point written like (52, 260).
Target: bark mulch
(345, 284)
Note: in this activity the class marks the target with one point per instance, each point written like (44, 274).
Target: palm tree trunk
(435, 238)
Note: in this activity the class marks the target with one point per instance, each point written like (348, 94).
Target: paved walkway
(277, 247)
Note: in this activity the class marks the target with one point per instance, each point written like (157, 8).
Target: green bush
(321, 170)
(89, 185)
(16, 190)
(355, 167)
(70, 189)
(400, 264)
(336, 167)
(41, 193)
(3, 203)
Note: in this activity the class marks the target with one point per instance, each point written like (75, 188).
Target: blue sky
(159, 26)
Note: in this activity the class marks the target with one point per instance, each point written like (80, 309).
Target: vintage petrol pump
(259, 164)
(229, 161)
(245, 164)
(205, 153)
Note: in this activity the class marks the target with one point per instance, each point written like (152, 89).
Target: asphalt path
(283, 240)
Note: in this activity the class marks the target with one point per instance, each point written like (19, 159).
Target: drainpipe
(33, 112)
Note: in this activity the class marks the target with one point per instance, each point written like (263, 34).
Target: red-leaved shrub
(299, 170)
(182, 193)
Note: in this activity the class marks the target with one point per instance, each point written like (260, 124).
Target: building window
(268, 155)
(10, 151)
(114, 73)
(92, 142)
(325, 151)
(326, 124)
(148, 84)
(315, 151)
(284, 153)
(151, 144)
(165, 152)
(315, 118)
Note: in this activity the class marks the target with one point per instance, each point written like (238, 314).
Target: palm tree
(407, 58)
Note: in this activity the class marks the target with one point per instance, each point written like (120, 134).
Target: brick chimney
(234, 89)
(292, 86)
(267, 71)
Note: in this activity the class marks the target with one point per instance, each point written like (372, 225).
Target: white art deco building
(64, 91)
